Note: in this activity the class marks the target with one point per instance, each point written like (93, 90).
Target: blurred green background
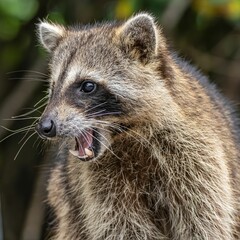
(206, 32)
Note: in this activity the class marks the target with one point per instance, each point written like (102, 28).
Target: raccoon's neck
(114, 191)
(127, 162)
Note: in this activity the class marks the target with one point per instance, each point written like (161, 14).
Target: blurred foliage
(229, 9)
(14, 13)
(207, 31)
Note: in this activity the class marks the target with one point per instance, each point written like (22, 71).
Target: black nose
(46, 128)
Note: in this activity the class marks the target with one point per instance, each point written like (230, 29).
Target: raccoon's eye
(88, 87)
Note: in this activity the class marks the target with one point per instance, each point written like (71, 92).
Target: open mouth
(86, 145)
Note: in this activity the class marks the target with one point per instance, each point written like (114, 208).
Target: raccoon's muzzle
(87, 144)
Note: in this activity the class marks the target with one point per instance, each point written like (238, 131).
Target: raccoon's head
(103, 79)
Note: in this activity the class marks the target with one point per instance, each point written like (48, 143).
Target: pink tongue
(85, 141)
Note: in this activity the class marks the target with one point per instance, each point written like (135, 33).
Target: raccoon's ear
(138, 37)
(50, 34)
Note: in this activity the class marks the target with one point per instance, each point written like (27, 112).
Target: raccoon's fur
(148, 149)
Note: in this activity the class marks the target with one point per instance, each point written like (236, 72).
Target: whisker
(105, 114)
(14, 133)
(28, 71)
(39, 142)
(32, 111)
(90, 109)
(29, 79)
(31, 126)
(23, 145)
(102, 135)
(34, 144)
(45, 97)
(94, 114)
(102, 128)
(128, 131)
(106, 147)
(110, 125)
(118, 129)
(20, 119)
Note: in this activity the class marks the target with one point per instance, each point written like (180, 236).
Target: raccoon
(147, 148)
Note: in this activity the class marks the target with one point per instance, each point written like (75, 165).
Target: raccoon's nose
(46, 128)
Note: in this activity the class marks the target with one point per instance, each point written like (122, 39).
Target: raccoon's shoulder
(210, 88)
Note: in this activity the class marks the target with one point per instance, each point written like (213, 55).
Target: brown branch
(174, 13)
(1, 220)
(36, 211)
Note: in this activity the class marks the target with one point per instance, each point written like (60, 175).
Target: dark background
(206, 32)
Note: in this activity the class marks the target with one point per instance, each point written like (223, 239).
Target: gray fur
(172, 172)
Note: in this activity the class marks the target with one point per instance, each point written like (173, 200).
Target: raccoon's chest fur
(111, 199)
(148, 149)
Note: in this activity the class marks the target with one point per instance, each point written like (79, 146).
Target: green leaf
(23, 10)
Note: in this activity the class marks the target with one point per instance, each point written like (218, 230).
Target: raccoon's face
(99, 78)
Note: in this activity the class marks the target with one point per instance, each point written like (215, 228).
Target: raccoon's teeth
(88, 152)
(74, 153)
